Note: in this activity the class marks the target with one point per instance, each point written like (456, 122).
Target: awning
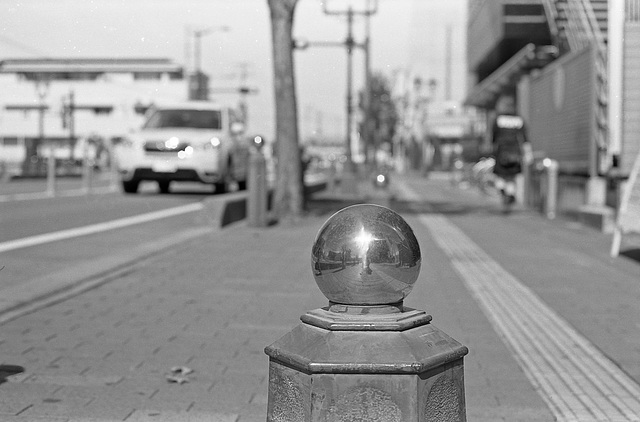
(486, 93)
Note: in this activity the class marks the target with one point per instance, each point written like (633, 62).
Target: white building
(105, 93)
(106, 96)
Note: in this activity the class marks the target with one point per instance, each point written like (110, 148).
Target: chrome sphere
(365, 255)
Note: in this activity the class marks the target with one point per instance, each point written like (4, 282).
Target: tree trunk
(289, 199)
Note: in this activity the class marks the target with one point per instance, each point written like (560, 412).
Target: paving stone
(40, 418)
(57, 407)
(215, 305)
(13, 406)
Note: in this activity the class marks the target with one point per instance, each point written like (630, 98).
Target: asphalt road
(42, 236)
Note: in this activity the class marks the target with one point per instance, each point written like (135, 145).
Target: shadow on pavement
(633, 254)
(9, 370)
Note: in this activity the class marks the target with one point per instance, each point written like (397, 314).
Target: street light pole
(197, 37)
(197, 42)
(200, 92)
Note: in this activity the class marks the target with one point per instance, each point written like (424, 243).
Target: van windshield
(199, 119)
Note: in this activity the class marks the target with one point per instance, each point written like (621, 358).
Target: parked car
(191, 141)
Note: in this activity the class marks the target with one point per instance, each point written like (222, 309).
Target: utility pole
(348, 182)
(350, 44)
(368, 130)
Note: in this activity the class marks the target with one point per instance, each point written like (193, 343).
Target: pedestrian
(511, 149)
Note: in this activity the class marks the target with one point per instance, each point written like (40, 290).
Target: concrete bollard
(365, 356)
(257, 191)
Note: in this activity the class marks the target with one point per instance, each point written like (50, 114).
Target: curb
(216, 213)
(223, 211)
(219, 212)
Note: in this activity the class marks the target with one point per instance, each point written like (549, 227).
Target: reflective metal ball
(365, 255)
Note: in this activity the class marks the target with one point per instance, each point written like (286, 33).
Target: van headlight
(185, 153)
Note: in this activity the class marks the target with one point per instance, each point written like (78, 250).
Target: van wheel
(130, 186)
(163, 186)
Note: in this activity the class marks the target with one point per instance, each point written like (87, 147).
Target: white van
(191, 141)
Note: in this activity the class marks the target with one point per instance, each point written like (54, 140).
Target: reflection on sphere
(365, 255)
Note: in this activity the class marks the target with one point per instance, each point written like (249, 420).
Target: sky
(406, 35)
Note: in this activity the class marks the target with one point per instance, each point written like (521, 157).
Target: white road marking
(97, 228)
(573, 377)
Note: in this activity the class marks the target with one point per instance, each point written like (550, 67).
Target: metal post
(113, 167)
(257, 191)
(86, 168)
(51, 172)
(526, 185)
(366, 357)
(72, 122)
(551, 194)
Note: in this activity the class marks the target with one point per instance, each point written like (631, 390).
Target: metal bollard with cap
(365, 356)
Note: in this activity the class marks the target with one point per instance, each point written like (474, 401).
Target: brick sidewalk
(212, 305)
